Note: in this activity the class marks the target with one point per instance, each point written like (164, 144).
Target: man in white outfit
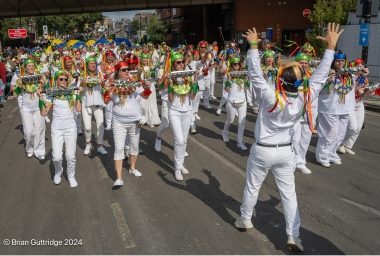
(273, 133)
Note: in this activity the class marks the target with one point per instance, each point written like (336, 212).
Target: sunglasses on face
(63, 79)
(179, 62)
(124, 69)
(308, 52)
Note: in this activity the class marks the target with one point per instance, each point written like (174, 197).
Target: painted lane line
(362, 206)
(125, 234)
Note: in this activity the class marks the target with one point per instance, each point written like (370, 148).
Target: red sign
(17, 33)
(306, 12)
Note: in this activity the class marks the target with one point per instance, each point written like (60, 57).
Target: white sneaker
(101, 150)
(225, 137)
(47, 120)
(218, 112)
(178, 175)
(57, 179)
(243, 223)
(327, 165)
(193, 130)
(135, 172)
(241, 146)
(213, 97)
(337, 162)
(303, 169)
(294, 244)
(87, 150)
(255, 111)
(118, 183)
(197, 117)
(184, 170)
(349, 151)
(108, 128)
(41, 157)
(342, 150)
(73, 182)
(29, 155)
(250, 104)
(157, 145)
(208, 107)
(80, 132)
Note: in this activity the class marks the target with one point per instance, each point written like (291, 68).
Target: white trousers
(69, 138)
(120, 133)
(281, 161)
(212, 82)
(34, 132)
(180, 125)
(108, 113)
(223, 101)
(231, 113)
(197, 100)
(331, 132)
(87, 113)
(164, 118)
(355, 124)
(78, 119)
(251, 96)
(301, 141)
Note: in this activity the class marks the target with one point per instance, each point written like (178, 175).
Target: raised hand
(252, 37)
(332, 35)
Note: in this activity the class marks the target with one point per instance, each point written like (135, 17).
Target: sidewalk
(372, 103)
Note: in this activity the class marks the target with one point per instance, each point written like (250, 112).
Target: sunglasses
(63, 79)
(124, 69)
(308, 52)
(179, 62)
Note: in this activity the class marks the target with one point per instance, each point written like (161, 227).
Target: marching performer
(235, 87)
(63, 127)
(33, 123)
(273, 132)
(356, 118)
(335, 103)
(127, 119)
(108, 70)
(92, 104)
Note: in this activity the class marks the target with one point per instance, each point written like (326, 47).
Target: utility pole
(366, 15)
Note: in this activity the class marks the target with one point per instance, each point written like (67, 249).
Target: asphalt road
(154, 214)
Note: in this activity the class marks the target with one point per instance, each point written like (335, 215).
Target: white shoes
(213, 97)
(101, 150)
(73, 182)
(225, 137)
(108, 128)
(350, 152)
(303, 169)
(243, 223)
(327, 165)
(47, 120)
(135, 172)
(87, 150)
(250, 104)
(118, 183)
(193, 130)
(342, 150)
(184, 170)
(186, 154)
(157, 144)
(218, 112)
(337, 162)
(208, 107)
(41, 157)
(57, 179)
(197, 117)
(80, 132)
(178, 175)
(29, 155)
(255, 111)
(294, 244)
(241, 146)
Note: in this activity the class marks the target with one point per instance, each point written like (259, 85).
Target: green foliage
(156, 29)
(326, 11)
(135, 26)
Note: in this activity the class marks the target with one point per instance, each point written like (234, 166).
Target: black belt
(274, 146)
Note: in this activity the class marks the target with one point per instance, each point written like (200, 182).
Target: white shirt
(177, 105)
(273, 128)
(330, 103)
(63, 115)
(236, 93)
(93, 96)
(131, 111)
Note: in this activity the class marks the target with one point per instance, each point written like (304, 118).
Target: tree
(134, 26)
(156, 29)
(326, 11)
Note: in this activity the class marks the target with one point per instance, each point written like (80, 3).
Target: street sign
(306, 12)
(17, 33)
(45, 29)
(364, 34)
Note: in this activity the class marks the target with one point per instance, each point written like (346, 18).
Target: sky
(124, 14)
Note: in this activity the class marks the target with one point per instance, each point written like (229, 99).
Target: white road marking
(222, 159)
(101, 168)
(125, 234)
(362, 206)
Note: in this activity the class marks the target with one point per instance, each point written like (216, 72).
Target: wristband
(41, 104)
(255, 43)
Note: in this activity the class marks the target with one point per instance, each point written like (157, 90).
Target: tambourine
(33, 79)
(123, 83)
(238, 74)
(55, 92)
(184, 73)
(349, 70)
